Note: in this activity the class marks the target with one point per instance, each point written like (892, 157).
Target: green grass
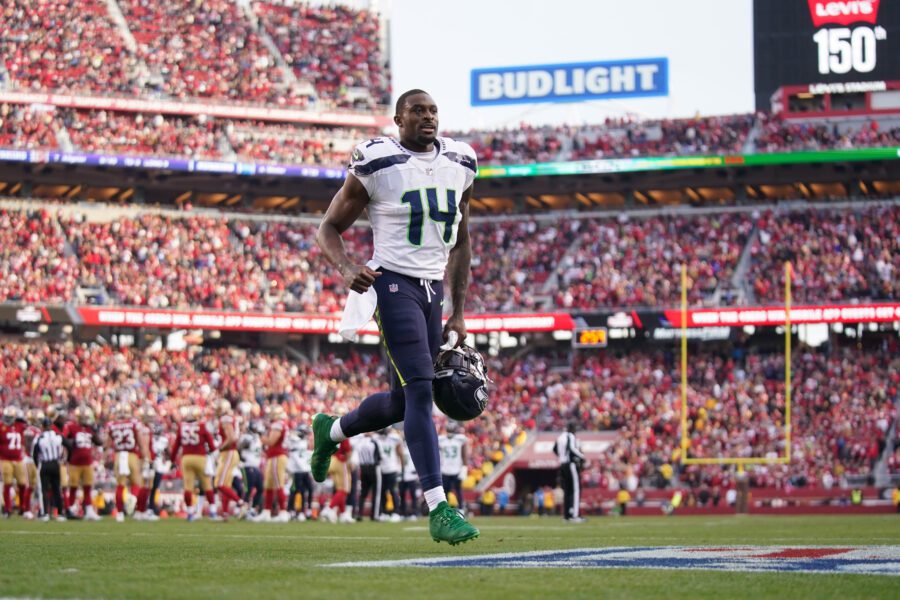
(175, 559)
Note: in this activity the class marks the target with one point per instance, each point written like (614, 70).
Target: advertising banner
(572, 82)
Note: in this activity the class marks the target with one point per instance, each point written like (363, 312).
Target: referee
(571, 460)
(368, 455)
(47, 454)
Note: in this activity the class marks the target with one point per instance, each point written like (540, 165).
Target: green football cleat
(323, 447)
(448, 525)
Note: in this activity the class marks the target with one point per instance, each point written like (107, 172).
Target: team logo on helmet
(460, 383)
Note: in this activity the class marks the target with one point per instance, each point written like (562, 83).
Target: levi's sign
(571, 82)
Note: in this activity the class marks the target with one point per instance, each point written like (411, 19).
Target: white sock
(337, 434)
(435, 496)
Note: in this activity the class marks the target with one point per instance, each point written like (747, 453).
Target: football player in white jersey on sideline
(416, 193)
(299, 454)
(454, 456)
(410, 494)
(391, 466)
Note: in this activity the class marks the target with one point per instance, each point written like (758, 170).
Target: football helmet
(34, 416)
(84, 415)
(460, 383)
(9, 414)
(223, 407)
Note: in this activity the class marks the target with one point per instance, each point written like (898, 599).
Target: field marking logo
(869, 560)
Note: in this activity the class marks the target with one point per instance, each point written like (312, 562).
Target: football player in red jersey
(229, 428)
(12, 461)
(131, 455)
(339, 471)
(276, 468)
(196, 443)
(80, 437)
(147, 416)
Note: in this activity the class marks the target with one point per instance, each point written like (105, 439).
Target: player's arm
(144, 443)
(459, 266)
(230, 441)
(345, 208)
(271, 437)
(176, 445)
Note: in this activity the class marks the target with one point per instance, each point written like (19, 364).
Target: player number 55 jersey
(414, 201)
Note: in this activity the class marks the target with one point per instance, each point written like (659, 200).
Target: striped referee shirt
(368, 454)
(567, 447)
(48, 447)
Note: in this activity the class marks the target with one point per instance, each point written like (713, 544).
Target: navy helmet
(460, 383)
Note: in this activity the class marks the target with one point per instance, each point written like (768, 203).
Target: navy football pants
(409, 316)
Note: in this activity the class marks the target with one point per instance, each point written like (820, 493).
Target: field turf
(175, 559)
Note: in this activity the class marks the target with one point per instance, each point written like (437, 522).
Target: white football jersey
(451, 447)
(409, 468)
(299, 454)
(391, 445)
(414, 201)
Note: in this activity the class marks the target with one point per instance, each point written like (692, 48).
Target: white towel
(122, 464)
(358, 310)
(210, 466)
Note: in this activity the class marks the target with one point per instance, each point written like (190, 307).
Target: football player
(57, 416)
(229, 428)
(410, 494)
(275, 474)
(195, 442)
(416, 192)
(250, 448)
(132, 455)
(299, 453)
(454, 457)
(339, 471)
(391, 467)
(34, 419)
(146, 420)
(80, 437)
(12, 461)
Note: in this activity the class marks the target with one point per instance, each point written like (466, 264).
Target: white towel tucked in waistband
(358, 311)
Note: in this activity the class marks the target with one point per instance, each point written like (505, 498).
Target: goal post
(735, 460)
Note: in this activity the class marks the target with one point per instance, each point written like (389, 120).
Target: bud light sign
(572, 82)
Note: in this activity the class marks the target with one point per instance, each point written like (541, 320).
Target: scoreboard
(853, 43)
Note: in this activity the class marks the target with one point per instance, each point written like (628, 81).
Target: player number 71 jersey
(414, 201)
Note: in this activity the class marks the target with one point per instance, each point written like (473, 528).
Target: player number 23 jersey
(414, 201)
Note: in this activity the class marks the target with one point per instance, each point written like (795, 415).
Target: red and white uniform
(193, 438)
(278, 448)
(124, 435)
(235, 422)
(82, 436)
(12, 442)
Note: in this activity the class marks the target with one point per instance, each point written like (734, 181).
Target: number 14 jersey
(414, 201)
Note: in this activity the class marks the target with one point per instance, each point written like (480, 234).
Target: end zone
(869, 560)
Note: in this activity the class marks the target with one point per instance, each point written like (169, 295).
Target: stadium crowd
(835, 255)
(27, 128)
(844, 402)
(778, 135)
(636, 262)
(521, 264)
(336, 48)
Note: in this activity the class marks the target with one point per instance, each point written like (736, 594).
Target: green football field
(175, 559)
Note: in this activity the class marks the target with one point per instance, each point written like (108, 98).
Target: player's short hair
(402, 99)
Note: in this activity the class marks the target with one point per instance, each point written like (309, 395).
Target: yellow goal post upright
(734, 460)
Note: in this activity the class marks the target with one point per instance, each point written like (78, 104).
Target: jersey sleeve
(368, 159)
(464, 154)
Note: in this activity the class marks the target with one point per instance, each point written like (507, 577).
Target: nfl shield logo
(393, 288)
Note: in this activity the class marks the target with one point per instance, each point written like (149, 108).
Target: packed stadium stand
(281, 54)
(572, 263)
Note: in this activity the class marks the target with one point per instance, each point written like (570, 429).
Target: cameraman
(571, 461)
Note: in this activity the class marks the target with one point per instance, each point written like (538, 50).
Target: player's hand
(457, 325)
(359, 277)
